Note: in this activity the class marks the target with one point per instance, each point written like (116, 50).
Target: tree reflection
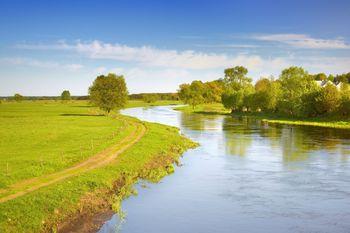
(237, 135)
(295, 143)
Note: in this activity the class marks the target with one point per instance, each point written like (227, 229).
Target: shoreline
(217, 109)
(88, 199)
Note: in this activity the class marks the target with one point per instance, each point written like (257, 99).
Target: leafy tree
(150, 98)
(295, 83)
(192, 94)
(18, 97)
(109, 92)
(330, 78)
(213, 91)
(344, 107)
(328, 99)
(236, 78)
(320, 77)
(237, 87)
(233, 100)
(267, 94)
(65, 95)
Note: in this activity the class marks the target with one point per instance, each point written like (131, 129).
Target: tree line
(294, 93)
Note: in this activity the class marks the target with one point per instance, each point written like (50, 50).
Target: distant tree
(344, 107)
(330, 78)
(213, 91)
(233, 100)
(192, 94)
(109, 92)
(320, 77)
(237, 86)
(267, 93)
(150, 98)
(18, 97)
(295, 82)
(328, 99)
(65, 95)
(236, 78)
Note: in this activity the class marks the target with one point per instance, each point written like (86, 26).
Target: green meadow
(46, 137)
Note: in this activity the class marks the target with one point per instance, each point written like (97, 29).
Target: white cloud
(151, 56)
(304, 41)
(38, 63)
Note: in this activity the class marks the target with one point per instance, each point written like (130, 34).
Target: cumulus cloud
(304, 41)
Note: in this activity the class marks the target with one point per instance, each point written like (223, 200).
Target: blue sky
(46, 46)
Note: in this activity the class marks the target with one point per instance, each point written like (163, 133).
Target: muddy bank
(96, 208)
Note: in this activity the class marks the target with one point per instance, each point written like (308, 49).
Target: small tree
(18, 97)
(192, 94)
(65, 95)
(109, 92)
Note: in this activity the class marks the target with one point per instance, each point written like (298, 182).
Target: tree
(192, 94)
(237, 86)
(213, 91)
(150, 98)
(344, 107)
(320, 77)
(65, 95)
(235, 78)
(295, 83)
(18, 97)
(267, 94)
(328, 99)
(109, 92)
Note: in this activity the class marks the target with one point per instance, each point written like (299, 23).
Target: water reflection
(247, 176)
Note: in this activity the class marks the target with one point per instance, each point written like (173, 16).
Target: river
(246, 176)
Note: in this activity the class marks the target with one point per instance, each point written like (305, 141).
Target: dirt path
(103, 158)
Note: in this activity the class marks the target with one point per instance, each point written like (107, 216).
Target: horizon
(50, 47)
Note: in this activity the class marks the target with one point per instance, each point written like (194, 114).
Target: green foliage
(109, 92)
(192, 94)
(320, 77)
(65, 95)
(295, 82)
(236, 79)
(328, 99)
(18, 97)
(344, 108)
(213, 91)
(267, 93)
(150, 98)
(237, 89)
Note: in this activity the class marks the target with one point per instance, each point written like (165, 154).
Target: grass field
(218, 108)
(42, 139)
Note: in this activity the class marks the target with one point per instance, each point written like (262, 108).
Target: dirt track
(103, 158)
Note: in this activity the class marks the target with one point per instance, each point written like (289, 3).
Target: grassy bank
(213, 108)
(41, 138)
(217, 108)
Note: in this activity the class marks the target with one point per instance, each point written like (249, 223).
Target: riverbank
(218, 108)
(44, 138)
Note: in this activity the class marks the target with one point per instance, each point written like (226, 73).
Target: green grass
(213, 108)
(218, 108)
(39, 138)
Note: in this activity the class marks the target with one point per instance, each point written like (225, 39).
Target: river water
(246, 176)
